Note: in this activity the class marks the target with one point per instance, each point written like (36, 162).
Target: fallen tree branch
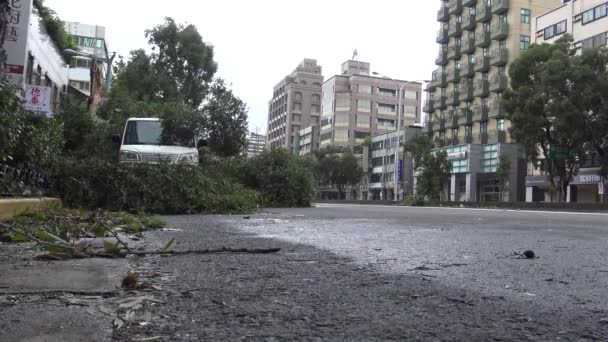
(115, 234)
(35, 239)
(207, 251)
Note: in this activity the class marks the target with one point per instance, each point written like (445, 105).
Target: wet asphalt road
(372, 273)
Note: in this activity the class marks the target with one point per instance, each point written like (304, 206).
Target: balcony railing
(468, 70)
(442, 57)
(455, 29)
(498, 83)
(499, 57)
(467, 45)
(440, 102)
(482, 63)
(468, 21)
(438, 80)
(453, 98)
(454, 52)
(429, 106)
(455, 6)
(483, 12)
(442, 35)
(494, 136)
(466, 91)
(443, 14)
(500, 6)
(480, 138)
(480, 113)
(465, 116)
(500, 31)
(452, 120)
(453, 75)
(483, 38)
(481, 88)
(469, 3)
(496, 111)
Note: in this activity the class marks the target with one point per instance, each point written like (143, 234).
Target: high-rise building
(256, 143)
(295, 104)
(587, 22)
(308, 140)
(91, 41)
(357, 105)
(478, 39)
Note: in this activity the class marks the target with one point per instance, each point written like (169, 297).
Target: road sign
(559, 152)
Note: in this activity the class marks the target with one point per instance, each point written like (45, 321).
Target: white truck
(142, 142)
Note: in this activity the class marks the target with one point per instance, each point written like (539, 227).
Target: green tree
(282, 178)
(225, 121)
(182, 62)
(339, 167)
(553, 100)
(433, 167)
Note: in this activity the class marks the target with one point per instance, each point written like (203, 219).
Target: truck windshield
(152, 133)
(143, 133)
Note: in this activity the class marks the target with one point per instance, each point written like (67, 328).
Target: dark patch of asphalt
(382, 274)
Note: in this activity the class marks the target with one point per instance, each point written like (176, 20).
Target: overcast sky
(257, 43)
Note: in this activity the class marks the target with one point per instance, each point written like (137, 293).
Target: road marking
(329, 205)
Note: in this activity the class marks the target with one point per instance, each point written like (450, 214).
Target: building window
(364, 89)
(595, 13)
(387, 92)
(500, 124)
(343, 103)
(296, 117)
(363, 121)
(384, 123)
(364, 106)
(489, 159)
(297, 96)
(555, 30)
(524, 42)
(342, 120)
(594, 42)
(316, 98)
(468, 131)
(525, 16)
(296, 106)
(483, 128)
(386, 109)
(341, 136)
(315, 108)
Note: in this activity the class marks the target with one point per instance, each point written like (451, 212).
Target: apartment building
(295, 104)
(256, 143)
(385, 148)
(478, 39)
(357, 105)
(587, 22)
(91, 40)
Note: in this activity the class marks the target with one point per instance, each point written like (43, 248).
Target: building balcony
(452, 120)
(465, 116)
(452, 98)
(442, 57)
(495, 137)
(480, 113)
(468, 21)
(483, 39)
(454, 52)
(455, 29)
(453, 75)
(466, 91)
(442, 124)
(442, 35)
(467, 45)
(440, 102)
(469, 3)
(499, 57)
(481, 88)
(429, 126)
(443, 14)
(482, 64)
(500, 31)
(467, 70)
(498, 83)
(429, 106)
(497, 111)
(438, 81)
(500, 6)
(455, 6)
(483, 12)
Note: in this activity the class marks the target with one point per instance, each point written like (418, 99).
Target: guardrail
(21, 182)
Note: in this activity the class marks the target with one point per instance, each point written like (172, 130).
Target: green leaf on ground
(110, 247)
(168, 245)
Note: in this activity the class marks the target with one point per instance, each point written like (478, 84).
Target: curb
(11, 207)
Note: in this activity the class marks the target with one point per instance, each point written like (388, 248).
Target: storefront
(587, 189)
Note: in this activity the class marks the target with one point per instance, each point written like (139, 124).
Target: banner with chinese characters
(15, 40)
(38, 99)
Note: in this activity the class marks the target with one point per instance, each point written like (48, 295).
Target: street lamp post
(396, 163)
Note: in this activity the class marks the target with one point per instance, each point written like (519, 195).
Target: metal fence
(20, 182)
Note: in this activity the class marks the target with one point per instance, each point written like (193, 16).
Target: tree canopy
(339, 167)
(558, 98)
(433, 168)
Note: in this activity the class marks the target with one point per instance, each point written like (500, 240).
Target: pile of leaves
(68, 233)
